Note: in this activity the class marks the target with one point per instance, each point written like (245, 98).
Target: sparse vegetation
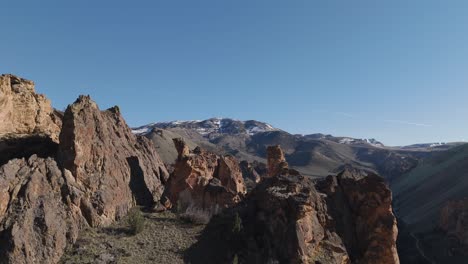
(237, 224)
(165, 240)
(178, 209)
(196, 215)
(135, 221)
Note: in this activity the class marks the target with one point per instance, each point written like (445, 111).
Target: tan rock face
(112, 168)
(292, 219)
(204, 180)
(22, 111)
(276, 161)
(454, 221)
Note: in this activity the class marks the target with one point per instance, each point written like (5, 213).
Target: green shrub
(135, 221)
(178, 209)
(237, 224)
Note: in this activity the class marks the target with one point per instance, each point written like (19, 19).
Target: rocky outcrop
(454, 222)
(360, 205)
(292, 219)
(111, 168)
(50, 190)
(250, 175)
(204, 180)
(249, 172)
(23, 112)
(276, 161)
(36, 223)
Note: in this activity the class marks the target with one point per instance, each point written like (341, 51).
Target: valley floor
(164, 239)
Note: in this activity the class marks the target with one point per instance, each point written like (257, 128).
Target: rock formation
(111, 168)
(50, 190)
(249, 172)
(250, 175)
(290, 219)
(23, 112)
(36, 223)
(204, 180)
(361, 208)
(276, 161)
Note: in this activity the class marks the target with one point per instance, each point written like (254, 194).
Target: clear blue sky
(394, 70)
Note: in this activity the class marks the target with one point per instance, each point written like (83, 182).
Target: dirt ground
(164, 239)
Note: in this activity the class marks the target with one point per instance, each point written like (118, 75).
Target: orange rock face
(204, 180)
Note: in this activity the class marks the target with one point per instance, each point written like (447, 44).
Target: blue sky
(393, 70)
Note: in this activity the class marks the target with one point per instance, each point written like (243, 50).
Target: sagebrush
(135, 221)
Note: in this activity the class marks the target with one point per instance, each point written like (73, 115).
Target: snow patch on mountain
(351, 141)
(210, 126)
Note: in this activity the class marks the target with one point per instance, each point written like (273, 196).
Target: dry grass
(196, 215)
(164, 239)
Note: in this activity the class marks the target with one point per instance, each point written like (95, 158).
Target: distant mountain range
(314, 155)
(214, 127)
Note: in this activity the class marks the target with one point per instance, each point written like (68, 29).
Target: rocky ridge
(90, 175)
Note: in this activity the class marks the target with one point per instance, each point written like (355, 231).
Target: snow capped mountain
(212, 126)
(215, 127)
(374, 142)
(369, 141)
